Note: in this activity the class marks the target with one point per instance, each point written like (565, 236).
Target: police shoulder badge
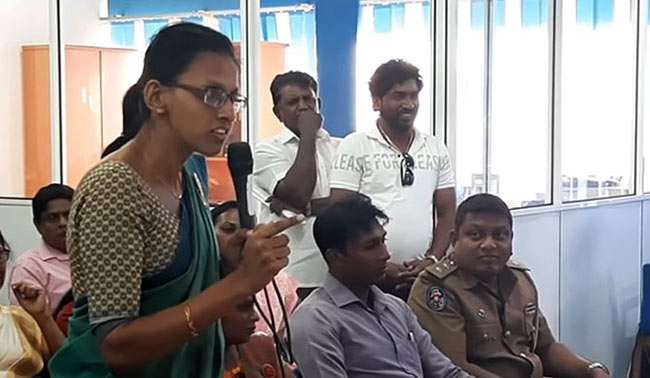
(436, 299)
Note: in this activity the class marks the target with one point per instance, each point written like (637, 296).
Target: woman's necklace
(179, 185)
(390, 142)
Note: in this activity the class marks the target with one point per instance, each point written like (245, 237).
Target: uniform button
(451, 262)
(485, 336)
(522, 355)
(507, 333)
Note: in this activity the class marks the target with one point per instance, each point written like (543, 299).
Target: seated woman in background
(226, 224)
(249, 354)
(28, 334)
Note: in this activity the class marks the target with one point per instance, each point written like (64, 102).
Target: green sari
(202, 356)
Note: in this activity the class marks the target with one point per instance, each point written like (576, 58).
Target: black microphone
(240, 164)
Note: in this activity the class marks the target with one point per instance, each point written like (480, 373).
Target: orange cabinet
(95, 82)
(36, 118)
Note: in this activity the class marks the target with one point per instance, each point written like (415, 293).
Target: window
(287, 43)
(469, 125)
(534, 12)
(122, 33)
(151, 27)
(399, 30)
(519, 168)
(646, 106)
(597, 110)
(478, 13)
(594, 13)
(514, 122)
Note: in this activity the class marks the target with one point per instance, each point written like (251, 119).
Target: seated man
(47, 266)
(349, 327)
(481, 308)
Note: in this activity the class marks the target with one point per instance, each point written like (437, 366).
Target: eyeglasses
(406, 170)
(4, 255)
(214, 96)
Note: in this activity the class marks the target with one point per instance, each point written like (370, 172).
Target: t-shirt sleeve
(348, 165)
(106, 240)
(446, 177)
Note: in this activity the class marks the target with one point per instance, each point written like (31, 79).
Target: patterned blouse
(119, 232)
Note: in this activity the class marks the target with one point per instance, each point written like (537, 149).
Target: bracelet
(598, 365)
(190, 323)
(432, 258)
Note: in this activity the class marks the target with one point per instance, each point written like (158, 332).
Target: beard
(400, 120)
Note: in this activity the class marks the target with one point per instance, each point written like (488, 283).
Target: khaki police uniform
(468, 321)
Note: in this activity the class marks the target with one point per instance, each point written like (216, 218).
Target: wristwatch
(598, 365)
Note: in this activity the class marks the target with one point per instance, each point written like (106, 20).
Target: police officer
(481, 308)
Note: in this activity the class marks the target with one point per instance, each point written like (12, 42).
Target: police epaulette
(443, 268)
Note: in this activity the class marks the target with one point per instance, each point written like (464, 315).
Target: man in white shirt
(407, 174)
(291, 172)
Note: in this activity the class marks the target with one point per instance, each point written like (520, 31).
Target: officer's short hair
(344, 220)
(482, 204)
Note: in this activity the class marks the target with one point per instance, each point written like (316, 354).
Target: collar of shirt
(46, 252)
(507, 280)
(287, 135)
(418, 139)
(342, 296)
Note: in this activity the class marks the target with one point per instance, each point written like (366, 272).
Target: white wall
(23, 23)
(587, 263)
(80, 23)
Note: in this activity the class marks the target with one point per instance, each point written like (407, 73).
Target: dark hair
(482, 204)
(344, 220)
(171, 51)
(222, 208)
(395, 71)
(298, 78)
(47, 194)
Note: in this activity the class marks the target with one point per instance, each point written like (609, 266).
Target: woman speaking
(145, 264)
